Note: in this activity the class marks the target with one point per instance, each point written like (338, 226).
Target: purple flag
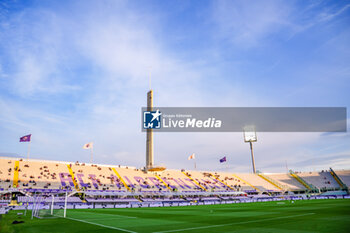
(223, 159)
(25, 138)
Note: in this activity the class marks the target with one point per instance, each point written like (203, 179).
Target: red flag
(192, 156)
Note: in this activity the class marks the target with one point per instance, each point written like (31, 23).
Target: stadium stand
(207, 181)
(275, 183)
(36, 174)
(258, 182)
(95, 177)
(103, 184)
(6, 173)
(288, 180)
(178, 181)
(139, 181)
(344, 176)
(234, 182)
(322, 180)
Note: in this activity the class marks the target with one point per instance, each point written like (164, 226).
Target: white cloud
(246, 23)
(330, 14)
(251, 23)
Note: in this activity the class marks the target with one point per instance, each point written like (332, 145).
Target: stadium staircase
(76, 186)
(258, 190)
(195, 181)
(274, 182)
(221, 181)
(121, 179)
(308, 186)
(161, 180)
(339, 181)
(15, 174)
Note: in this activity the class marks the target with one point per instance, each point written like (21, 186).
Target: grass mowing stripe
(284, 218)
(94, 219)
(105, 226)
(94, 213)
(237, 223)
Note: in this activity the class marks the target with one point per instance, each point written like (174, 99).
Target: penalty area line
(101, 225)
(236, 223)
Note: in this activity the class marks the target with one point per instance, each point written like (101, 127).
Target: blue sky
(72, 72)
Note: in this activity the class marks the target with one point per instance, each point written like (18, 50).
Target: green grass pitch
(283, 216)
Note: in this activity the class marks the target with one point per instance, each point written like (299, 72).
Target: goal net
(49, 207)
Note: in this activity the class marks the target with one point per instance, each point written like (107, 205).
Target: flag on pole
(191, 157)
(223, 160)
(25, 138)
(88, 145)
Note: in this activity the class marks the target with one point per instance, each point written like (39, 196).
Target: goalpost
(49, 207)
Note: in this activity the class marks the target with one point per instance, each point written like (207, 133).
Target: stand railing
(309, 187)
(342, 185)
(274, 182)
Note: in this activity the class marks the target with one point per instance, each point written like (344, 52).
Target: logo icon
(152, 119)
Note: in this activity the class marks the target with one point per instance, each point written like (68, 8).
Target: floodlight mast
(250, 136)
(149, 135)
(252, 153)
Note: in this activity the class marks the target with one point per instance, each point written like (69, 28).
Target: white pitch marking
(92, 223)
(237, 223)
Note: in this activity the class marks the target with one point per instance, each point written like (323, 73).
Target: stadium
(129, 199)
(115, 198)
(174, 116)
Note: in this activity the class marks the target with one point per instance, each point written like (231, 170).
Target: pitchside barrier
(170, 204)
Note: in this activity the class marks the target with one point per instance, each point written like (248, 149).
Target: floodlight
(249, 134)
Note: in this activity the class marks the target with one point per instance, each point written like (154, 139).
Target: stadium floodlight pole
(249, 134)
(252, 153)
(65, 205)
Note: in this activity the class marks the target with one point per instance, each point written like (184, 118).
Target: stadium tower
(149, 139)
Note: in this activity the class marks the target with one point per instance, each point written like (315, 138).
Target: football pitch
(281, 216)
